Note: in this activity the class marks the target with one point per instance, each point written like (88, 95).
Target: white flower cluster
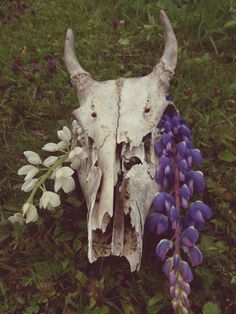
(51, 168)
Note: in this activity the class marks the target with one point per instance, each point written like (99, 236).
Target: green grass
(44, 266)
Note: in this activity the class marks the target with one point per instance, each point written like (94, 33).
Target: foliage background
(44, 266)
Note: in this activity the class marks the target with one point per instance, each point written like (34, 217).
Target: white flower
(75, 156)
(64, 134)
(50, 161)
(17, 217)
(75, 125)
(28, 185)
(32, 157)
(64, 180)
(30, 211)
(49, 200)
(62, 145)
(28, 170)
(50, 147)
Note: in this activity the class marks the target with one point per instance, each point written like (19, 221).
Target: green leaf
(211, 308)
(157, 298)
(230, 24)
(77, 245)
(82, 278)
(123, 41)
(227, 156)
(66, 236)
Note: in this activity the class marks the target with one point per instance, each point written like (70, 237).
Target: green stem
(41, 180)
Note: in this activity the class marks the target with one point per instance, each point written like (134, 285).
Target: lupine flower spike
(173, 208)
(52, 168)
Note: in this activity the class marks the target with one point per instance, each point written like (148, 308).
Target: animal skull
(118, 120)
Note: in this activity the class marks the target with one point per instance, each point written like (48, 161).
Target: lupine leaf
(211, 308)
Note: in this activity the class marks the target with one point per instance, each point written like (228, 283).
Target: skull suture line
(118, 119)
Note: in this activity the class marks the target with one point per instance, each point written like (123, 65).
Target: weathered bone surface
(118, 119)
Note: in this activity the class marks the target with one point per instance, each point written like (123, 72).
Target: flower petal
(50, 147)
(186, 272)
(68, 184)
(17, 217)
(28, 185)
(189, 236)
(25, 170)
(168, 265)
(195, 256)
(157, 223)
(50, 161)
(58, 184)
(32, 157)
(31, 214)
(64, 134)
(163, 247)
(64, 172)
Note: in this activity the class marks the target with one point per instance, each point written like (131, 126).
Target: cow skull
(118, 120)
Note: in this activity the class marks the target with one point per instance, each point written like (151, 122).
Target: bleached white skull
(118, 120)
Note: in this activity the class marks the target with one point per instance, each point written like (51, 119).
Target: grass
(44, 266)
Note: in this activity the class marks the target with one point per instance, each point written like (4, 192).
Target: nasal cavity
(129, 163)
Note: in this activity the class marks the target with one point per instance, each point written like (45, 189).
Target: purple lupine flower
(194, 155)
(186, 272)
(166, 139)
(166, 164)
(163, 247)
(185, 194)
(159, 147)
(174, 216)
(199, 210)
(168, 266)
(180, 148)
(175, 165)
(189, 236)
(195, 256)
(163, 201)
(195, 181)
(157, 223)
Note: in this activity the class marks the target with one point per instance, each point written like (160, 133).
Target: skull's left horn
(71, 62)
(168, 60)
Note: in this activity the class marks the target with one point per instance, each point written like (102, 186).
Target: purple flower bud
(174, 216)
(163, 247)
(175, 304)
(186, 287)
(168, 265)
(176, 262)
(166, 139)
(198, 210)
(172, 278)
(172, 292)
(180, 148)
(195, 155)
(166, 164)
(157, 223)
(184, 193)
(186, 271)
(185, 132)
(163, 201)
(159, 147)
(195, 180)
(195, 256)
(159, 176)
(189, 236)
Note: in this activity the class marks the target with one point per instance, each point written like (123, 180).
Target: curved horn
(71, 62)
(169, 57)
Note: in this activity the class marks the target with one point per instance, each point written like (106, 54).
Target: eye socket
(147, 110)
(93, 114)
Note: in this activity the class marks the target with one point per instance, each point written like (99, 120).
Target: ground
(44, 266)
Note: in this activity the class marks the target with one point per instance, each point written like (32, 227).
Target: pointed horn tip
(163, 17)
(69, 34)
